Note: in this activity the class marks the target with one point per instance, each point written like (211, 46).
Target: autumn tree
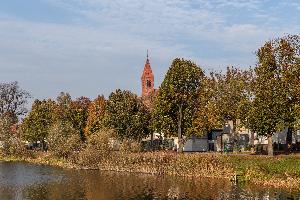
(13, 99)
(78, 113)
(232, 96)
(6, 123)
(127, 115)
(63, 139)
(267, 107)
(63, 101)
(276, 88)
(35, 126)
(176, 103)
(207, 116)
(96, 112)
(286, 52)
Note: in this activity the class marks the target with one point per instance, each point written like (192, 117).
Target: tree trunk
(252, 142)
(289, 139)
(180, 141)
(270, 145)
(235, 136)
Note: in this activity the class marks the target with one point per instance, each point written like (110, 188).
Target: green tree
(276, 88)
(127, 115)
(232, 96)
(35, 126)
(96, 114)
(287, 60)
(176, 103)
(267, 106)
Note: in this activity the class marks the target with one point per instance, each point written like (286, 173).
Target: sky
(92, 47)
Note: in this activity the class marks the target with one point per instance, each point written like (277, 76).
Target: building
(147, 80)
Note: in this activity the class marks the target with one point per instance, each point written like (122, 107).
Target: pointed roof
(147, 61)
(147, 68)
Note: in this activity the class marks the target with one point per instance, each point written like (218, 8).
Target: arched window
(148, 83)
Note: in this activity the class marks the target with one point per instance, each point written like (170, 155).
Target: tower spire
(147, 57)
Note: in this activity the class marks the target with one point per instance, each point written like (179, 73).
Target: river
(20, 180)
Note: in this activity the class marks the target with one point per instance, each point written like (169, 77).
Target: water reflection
(26, 181)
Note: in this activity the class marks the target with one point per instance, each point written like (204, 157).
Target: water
(26, 181)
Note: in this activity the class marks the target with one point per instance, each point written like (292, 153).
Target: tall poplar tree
(176, 103)
(277, 88)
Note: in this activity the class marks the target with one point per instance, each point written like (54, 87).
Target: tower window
(148, 83)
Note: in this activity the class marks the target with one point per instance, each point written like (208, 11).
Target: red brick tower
(147, 79)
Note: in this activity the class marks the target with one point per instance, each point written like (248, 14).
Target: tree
(232, 96)
(176, 103)
(35, 126)
(6, 123)
(11, 143)
(78, 114)
(207, 116)
(286, 52)
(276, 88)
(265, 114)
(96, 112)
(127, 115)
(13, 99)
(63, 139)
(64, 99)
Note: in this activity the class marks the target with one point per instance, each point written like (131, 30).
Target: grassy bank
(279, 172)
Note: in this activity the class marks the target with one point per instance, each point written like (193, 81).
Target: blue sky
(91, 47)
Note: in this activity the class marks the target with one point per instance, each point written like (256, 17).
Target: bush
(11, 143)
(130, 146)
(64, 140)
(98, 147)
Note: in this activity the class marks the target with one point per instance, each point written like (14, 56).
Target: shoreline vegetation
(275, 172)
(115, 133)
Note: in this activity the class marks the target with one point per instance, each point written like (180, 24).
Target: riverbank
(277, 172)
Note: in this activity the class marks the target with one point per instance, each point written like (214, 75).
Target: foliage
(64, 101)
(130, 146)
(207, 116)
(276, 87)
(63, 140)
(78, 114)
(96, 112)
(127, 115)
(11, 143)
(233, 94)
(278, 77)
(36, 125)
(13, 99)
(176, 103)
(99, 147)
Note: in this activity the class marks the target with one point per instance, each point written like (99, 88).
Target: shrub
(11, 143)
(64, 140)
(130, 146)
(98, 148)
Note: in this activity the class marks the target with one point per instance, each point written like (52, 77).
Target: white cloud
(106, 50)
(74, 58)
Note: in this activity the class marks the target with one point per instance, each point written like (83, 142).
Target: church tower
(147, 79)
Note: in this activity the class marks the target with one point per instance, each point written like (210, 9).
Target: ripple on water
(26, 181)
